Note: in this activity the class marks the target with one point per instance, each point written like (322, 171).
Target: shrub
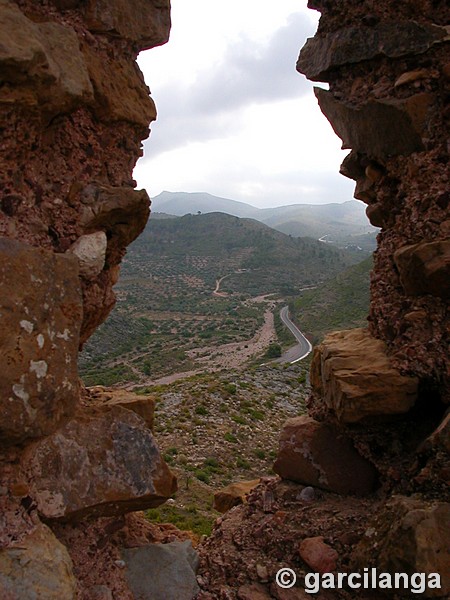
(273, 351)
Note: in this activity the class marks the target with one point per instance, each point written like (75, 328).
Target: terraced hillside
(187, 293)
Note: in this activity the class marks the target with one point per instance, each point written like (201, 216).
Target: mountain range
(341, 224)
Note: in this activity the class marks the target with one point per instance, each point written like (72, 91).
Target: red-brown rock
(317, 454)
(318, 555)
(253, 591)
(40, 313)
(103, 462)
(49, 55)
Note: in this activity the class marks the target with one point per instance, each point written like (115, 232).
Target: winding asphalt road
(303, 346)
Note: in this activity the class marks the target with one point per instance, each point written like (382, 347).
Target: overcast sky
(235, 119)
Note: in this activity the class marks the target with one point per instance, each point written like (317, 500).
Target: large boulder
(40, 316)
(105, 461)
(352, 373)
(409, 535)
(38, 567)
(317, 454)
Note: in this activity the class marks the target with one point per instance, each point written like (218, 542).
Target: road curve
(303, 346)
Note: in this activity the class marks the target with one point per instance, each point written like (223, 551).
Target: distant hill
(342, 302)
(183, 203)
(340, 224)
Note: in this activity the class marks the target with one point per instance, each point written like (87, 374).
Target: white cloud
(235, 119)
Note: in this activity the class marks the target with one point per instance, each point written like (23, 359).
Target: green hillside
(255, 258)
(166, 306)
(340, 303)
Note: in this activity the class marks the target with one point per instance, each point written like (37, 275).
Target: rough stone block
(142, 405)
(104, 462)
(316, 454)
(40, 317)
(378, 128)
(38, 567)
(352, 373)
(318, 555)
(44, 58)
(90, 250)
(110, 77)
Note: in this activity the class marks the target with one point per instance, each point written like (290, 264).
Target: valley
(172, 316)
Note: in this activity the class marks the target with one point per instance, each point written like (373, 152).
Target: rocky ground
(222, 427)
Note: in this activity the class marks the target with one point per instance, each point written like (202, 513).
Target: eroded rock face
(74, 108)
(424, 268)
(388, 70)
(350, 45)
(40, 315)
(103, 462)
(353, 374)
(317, 454)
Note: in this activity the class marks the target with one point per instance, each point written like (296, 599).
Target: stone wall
(74, 109)
(388, 71)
